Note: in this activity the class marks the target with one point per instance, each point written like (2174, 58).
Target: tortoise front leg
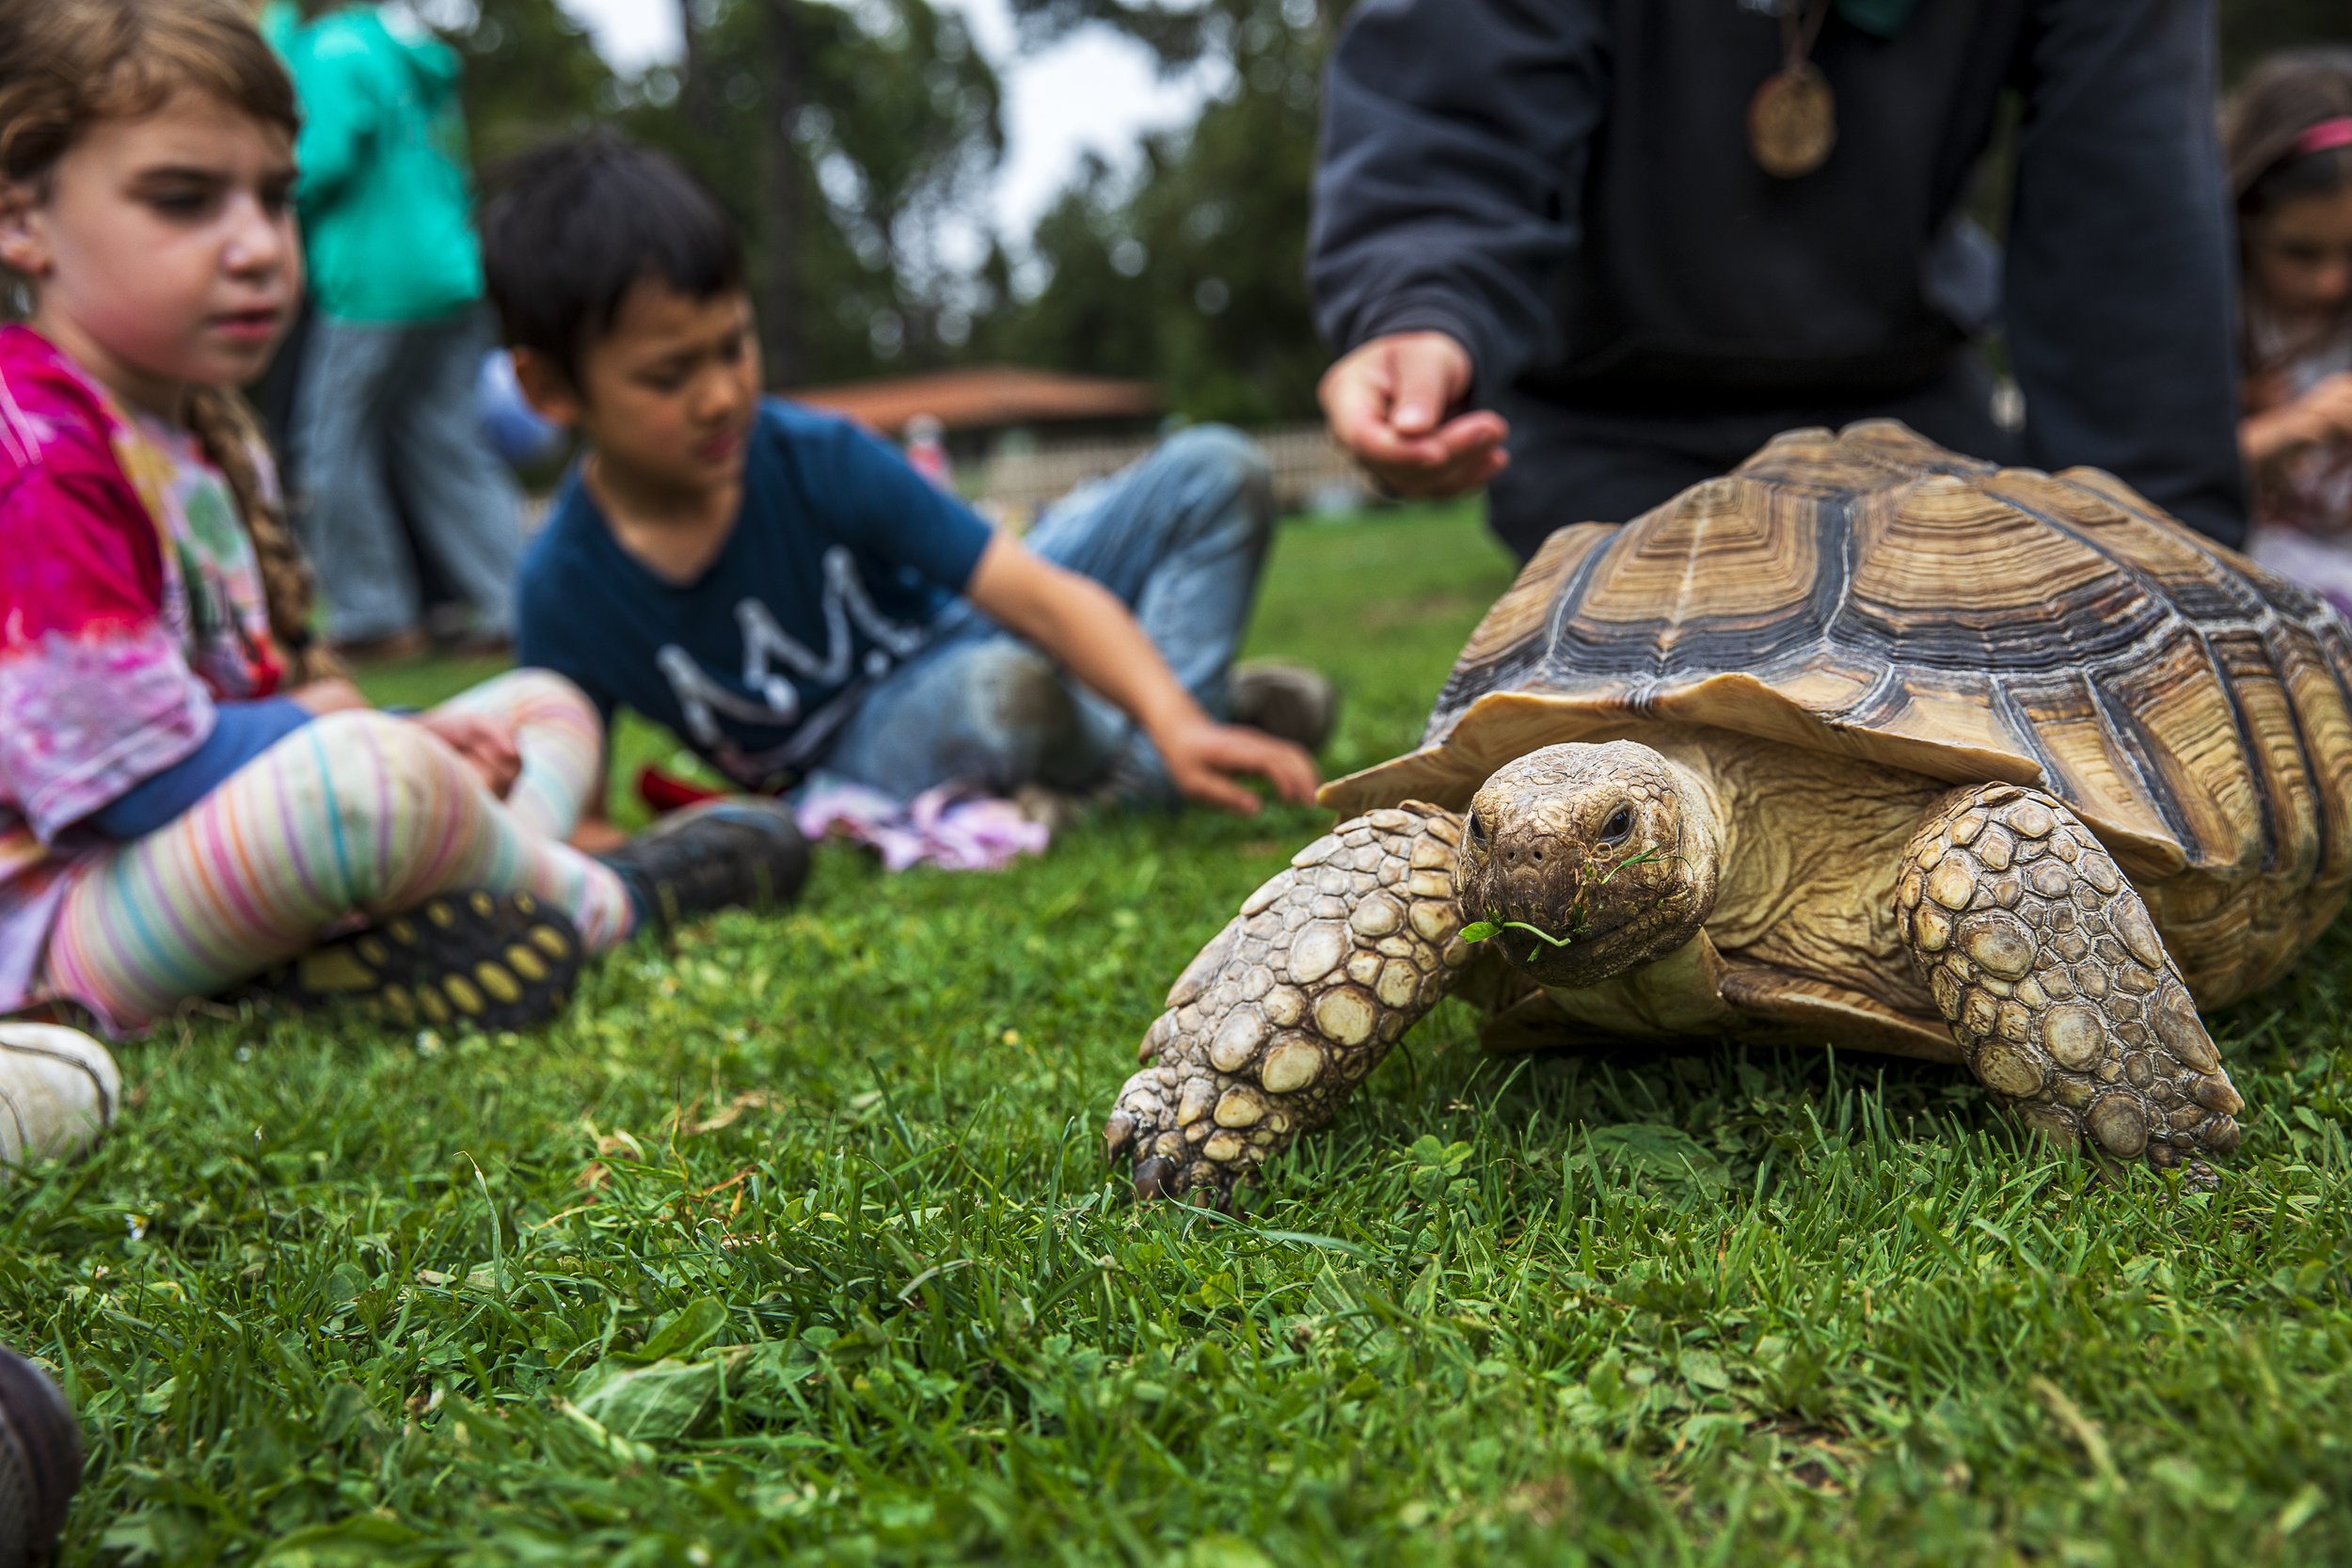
(2045, 963)
(1294, 1003)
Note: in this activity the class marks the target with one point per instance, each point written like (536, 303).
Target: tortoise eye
(1619, 826)
(1476, 828)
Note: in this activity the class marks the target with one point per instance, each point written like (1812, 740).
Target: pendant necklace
(1793, 119)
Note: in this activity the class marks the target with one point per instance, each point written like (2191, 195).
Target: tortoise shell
(1870, 594)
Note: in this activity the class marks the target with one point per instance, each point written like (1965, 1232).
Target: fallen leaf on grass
(659, 1403)
(750, 1100)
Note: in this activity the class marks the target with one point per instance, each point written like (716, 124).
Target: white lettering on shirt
(771, 654)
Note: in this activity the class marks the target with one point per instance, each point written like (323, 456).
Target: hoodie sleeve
(1455, 138)
(2119, 280)
(335, 80)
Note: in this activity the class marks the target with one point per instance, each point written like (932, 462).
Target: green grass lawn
(796, 1243)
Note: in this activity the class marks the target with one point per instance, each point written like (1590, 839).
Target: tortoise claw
(1214, 1188)
(1119, 1136)
(1205, 1185)
(1156, 1177)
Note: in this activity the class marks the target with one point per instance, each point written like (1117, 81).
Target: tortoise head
(1609, 849)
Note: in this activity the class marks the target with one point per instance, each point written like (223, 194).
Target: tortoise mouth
(1529, 945)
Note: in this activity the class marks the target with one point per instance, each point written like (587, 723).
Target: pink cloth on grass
(947, 827)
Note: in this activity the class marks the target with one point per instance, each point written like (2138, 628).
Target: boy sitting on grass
(784, 593)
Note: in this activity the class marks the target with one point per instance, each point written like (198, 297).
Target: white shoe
(59, 1090)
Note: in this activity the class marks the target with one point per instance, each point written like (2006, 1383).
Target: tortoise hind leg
(1268, 1030)
(2044, 961)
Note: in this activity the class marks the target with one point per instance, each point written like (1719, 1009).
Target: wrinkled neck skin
(1610, 850)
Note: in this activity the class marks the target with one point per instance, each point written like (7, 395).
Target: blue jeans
(1180, 536)
(385, 423)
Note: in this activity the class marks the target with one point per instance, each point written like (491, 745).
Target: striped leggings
(355, 814)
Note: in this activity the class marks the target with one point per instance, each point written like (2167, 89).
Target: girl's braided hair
(225, 427)
(65, 65)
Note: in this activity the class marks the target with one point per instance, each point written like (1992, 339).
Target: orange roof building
(986, 398)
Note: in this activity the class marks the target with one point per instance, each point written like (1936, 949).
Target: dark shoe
(740, 852)
(1288, 701)
(40, 1462)
(492, 961)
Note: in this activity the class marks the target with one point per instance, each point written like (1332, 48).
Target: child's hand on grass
(1204, 759)
(487, 746)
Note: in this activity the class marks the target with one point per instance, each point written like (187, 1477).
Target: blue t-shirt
(841, 559)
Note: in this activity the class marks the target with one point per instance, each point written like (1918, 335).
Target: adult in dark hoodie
(385, 422)
(1540, 231)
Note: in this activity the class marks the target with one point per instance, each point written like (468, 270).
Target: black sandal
(467, 959)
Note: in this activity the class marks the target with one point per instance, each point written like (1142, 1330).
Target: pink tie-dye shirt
(130, 602)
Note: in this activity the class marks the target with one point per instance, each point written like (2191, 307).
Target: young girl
(190, 794)
(2289, 142)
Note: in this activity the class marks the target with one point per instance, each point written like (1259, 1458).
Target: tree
(1092, 317)
(851, 142)
(877, 126)
(783, 181)
(530, 74)
(2252, 28)
(1194, 275)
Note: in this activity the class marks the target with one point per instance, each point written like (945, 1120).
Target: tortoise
(1865, 742)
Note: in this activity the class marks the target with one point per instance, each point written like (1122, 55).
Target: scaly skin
(1296, 1000)
(2044, 961)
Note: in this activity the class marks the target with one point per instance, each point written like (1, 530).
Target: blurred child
(189, 794)
(927, 451)
(391, 472)
(782, 591)
(2289, 144)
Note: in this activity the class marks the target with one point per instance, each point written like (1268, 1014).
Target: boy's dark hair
(575, 224)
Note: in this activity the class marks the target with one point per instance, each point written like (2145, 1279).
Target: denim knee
(1016, 708)
(1227, 468)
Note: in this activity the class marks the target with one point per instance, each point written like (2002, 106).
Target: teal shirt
(279, 20)
(386, 217)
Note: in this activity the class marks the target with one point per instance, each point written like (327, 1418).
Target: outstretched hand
(1205, 760)
(1386, 404)
(487, 746)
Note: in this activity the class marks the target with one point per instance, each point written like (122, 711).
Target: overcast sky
(1095, 90)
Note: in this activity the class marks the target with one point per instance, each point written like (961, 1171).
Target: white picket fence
(1309, 472)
